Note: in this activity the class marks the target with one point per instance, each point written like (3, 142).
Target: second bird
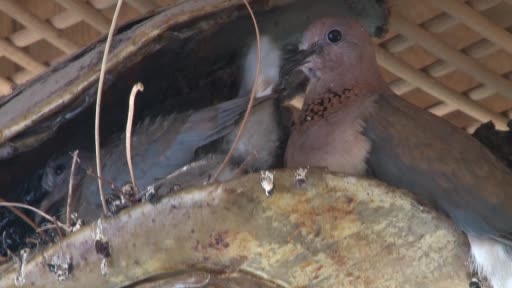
(163, 145)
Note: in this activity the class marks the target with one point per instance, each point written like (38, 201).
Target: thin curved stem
(98, 104)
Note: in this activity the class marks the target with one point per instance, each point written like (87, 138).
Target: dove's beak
(297, 58)
(295, 74)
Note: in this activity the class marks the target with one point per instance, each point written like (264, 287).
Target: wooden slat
(143, 6)
(437, 24)
(63, 20)
(476, 22)
(26, 37)
(6, 86)
(102, 4)
(476, 94)
(22, 76)
(30, 21)
(435, 88)
(19, 57)
(87, 13)
(472, 127)
(463, 62)
(478, 50)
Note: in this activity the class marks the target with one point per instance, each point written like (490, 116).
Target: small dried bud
(267, 182)
(300, 177)
(149, 194)
(475, 283)
(76, 223)
(102, 247)
(61, 266)
(129, 192)
(115, 204)
(20, 274)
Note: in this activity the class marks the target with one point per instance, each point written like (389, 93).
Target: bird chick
(164, 145)
(351, 122)
(263, 134)
(269, 67)
(56, 177)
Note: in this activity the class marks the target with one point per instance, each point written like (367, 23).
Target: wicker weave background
(449, 56)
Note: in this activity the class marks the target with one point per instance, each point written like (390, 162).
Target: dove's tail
(493, 260)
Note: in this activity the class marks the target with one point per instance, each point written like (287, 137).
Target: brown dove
(351, 122)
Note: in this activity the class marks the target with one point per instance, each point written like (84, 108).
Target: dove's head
(342, 54)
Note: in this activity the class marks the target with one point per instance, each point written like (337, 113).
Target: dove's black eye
(59, 169)
(334, 36)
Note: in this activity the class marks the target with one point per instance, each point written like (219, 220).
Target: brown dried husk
(334, 231)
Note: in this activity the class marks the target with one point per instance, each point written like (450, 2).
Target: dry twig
(98, 104)
(25, 206)
(136, 88)
(70, 191)
(20, 214)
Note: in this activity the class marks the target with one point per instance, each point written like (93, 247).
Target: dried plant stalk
(20, 214)
(136, 88)
(70, 190)
(98, 104)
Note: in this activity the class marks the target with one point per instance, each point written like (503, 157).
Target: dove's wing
(442, 165)
(160, 147)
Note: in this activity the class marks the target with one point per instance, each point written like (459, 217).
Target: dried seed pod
(267, 182)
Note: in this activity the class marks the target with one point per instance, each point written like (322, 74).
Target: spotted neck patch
(326, 105)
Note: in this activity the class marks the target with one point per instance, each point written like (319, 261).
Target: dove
(352, 123)
(163, 145)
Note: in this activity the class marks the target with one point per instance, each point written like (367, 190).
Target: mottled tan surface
(334, 232)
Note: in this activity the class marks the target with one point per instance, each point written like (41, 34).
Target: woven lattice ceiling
(35, 34)
(448, 56)
(465, 47)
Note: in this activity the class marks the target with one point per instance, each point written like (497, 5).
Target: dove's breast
(336, 145)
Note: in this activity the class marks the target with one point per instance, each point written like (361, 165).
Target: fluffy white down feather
(269, 71)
